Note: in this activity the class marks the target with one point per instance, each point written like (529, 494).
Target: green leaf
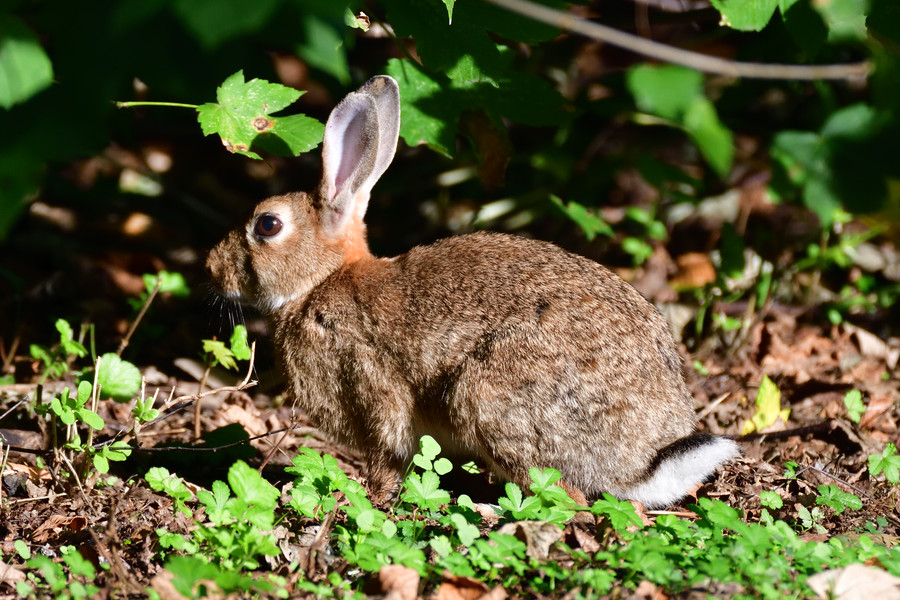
(449, 4)
(101, 463)
(22, 549)
(249, 486)
(714, 140)
(589, 222)
(427, 116)
(442, 466)
(467, 532)
(243, 117)
(118, 378)
(621, 514)
(429, 447)
(771, 499)
(854, 404)
(666, 91)
(171, 283)
(845, 19)
(239, 346)
(221, 354)
(213, 21)
(837, 499)
(888, 461)
(425, 491)
(746, 15)
(322, 47)
(90, 418)
(25, 69)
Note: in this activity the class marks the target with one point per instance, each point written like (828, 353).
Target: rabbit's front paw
(383, 484)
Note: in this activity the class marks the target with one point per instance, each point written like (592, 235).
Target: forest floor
(113, 519)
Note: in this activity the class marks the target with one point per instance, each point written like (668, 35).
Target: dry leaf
(647, 591)
(856, 582)
(10, 575)
(537, 535)
(467, 588)
(399, 582)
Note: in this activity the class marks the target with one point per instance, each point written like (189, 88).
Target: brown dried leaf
(537, 535)
(456, 587)
(398, 582)
(855, 582)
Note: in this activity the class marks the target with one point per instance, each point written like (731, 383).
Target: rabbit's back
(503, 348)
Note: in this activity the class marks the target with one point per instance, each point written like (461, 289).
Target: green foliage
(227, 356)
(770, 499)
(118, 378)
(25, 68)
(837, 499)
(675, 94)
(888, 462)
(57, 359)
(854, 405)
(588, 220)
(161, 480)
(766, 558)
(841, 166)
(243, 118)
(77, 585)
(196, 577)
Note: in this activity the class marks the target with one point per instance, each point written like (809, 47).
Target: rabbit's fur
(507, 350)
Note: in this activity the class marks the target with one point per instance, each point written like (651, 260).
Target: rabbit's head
(293, 242)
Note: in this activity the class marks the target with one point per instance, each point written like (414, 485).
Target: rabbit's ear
(360, 141)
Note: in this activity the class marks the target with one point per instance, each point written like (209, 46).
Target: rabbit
(507, 350)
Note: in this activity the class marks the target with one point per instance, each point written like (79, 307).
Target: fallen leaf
(537, 535)
(399, 582)
(456, 587)
(10, 575)
(647, 591)
(855, 582)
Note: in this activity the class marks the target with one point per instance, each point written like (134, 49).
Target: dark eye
(267, 225)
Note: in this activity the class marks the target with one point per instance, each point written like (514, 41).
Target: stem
(687, 58)
(137, 319)
(175, 104)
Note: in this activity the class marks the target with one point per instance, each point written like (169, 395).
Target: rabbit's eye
(267, 225)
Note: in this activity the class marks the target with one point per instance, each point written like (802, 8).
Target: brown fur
(507, 350)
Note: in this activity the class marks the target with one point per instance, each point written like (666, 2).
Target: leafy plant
(887, 462)
(243, 118)
(854, 405)
(837, 499)
(58, 358)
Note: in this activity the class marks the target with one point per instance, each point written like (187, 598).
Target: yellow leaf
(768, 408)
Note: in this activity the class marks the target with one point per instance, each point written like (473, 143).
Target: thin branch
(176, 404)
(680, 56)
(137, 319)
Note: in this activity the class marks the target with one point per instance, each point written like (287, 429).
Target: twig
(712, 406)
(277, 444)
(176, 404)
(839, 480)
(687, 58)
(11, 355)
(137, 319)
(95, 392)
(198, 405)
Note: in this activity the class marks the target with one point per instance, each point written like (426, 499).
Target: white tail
(679, 467)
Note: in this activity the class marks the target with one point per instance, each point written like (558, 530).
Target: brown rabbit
(507, 350)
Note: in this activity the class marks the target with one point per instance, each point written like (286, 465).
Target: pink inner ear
(346, 151)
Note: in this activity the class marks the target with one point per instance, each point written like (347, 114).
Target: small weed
(837, 499)
(854, 405)
(887, 462)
